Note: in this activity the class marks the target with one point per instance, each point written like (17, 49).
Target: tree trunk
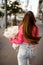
(6, 12)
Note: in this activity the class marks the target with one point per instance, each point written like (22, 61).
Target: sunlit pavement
(9, 57)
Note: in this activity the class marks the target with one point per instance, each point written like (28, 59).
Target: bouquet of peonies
(11, 32)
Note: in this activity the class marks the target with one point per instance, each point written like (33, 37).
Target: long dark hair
(28, 23)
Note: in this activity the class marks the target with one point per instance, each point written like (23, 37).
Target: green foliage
(8, 7)
(1, 14)
(15, 3)
(14, 7)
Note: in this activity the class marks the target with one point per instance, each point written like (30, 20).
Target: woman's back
(35, 33)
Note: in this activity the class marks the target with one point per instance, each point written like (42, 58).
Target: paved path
(8, 55)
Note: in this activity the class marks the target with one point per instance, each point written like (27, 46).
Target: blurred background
(13, 11)
(11, 14)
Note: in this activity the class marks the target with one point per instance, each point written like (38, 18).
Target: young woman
(27, 33)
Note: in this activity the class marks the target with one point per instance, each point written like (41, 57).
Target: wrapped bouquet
(11, 32)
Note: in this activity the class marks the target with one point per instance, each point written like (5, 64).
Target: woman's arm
(18, 39)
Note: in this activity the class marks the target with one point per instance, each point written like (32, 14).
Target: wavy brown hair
(28, 22)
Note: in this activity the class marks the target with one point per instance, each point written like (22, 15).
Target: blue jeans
(25, 53)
